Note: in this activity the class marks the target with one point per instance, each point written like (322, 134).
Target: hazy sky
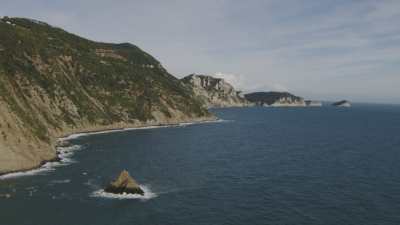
(320, 49)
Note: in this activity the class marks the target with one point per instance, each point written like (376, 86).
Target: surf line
(65, 154)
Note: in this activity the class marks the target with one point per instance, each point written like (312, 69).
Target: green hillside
(52, 81)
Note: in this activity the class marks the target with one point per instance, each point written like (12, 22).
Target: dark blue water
(266, 166)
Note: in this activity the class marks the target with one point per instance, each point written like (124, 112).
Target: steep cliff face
(53, 83)
(215, 92)
(277, 99)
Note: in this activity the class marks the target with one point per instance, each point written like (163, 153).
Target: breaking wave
(65, 155)
(60, 181)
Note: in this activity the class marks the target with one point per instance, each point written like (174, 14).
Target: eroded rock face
(124, 184)
(215, 92)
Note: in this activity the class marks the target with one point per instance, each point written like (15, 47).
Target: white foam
(60, 181)
(148, 194)
(64, 153)
(42, 169)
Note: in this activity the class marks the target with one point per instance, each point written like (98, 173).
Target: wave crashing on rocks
(65, 155)
(148, 194)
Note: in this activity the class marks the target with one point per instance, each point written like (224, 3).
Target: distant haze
(324, 50)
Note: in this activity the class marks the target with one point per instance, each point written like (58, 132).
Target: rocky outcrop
(54, 83)
(124, 184)
(343, 103)
(276, 99)
(215, 92)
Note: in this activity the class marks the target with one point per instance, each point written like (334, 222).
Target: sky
(321, 50)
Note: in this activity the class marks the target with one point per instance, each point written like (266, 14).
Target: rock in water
(5, 196)
(343, 103)
(124, 184)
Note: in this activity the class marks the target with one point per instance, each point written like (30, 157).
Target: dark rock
(273, 98)
(343, 103)
(124, 184)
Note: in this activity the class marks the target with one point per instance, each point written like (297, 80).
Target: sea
(255, 166)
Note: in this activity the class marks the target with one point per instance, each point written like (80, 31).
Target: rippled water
(261, 166)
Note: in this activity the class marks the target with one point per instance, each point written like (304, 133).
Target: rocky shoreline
(42, 163)
(57, 83)
(110, 128)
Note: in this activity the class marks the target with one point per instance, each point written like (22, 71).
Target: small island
(124, 184)
(343, 103)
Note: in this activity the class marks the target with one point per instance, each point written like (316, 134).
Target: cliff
(215, 92)
(53, 83)
(277, 99)
(124, 183)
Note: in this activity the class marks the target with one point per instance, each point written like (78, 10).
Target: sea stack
(343, 103)
(124, 184)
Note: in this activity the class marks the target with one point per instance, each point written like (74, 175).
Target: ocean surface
(261, 166)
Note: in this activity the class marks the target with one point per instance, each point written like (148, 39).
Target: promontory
(53, 83)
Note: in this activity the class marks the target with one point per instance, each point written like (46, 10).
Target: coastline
(65, 136)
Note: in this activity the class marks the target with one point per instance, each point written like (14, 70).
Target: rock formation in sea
(276, 99)
(124, 184)
(343, 103)
(54, 83)
(215, 92)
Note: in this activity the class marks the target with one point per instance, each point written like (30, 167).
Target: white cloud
(247, 85)
(318, 48)
(237, 81)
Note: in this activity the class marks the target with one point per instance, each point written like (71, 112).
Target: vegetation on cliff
(52, 82)
(274, 98)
